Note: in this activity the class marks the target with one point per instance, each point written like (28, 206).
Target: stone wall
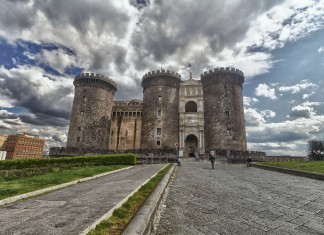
(160, 109)
(91, 112)
(126, 125)
(224, 112)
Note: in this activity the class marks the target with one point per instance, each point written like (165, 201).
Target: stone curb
(306, 174)
(145, 218)
(45, 190)
(110, 212)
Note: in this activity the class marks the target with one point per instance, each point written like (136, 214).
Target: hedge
(97, 160)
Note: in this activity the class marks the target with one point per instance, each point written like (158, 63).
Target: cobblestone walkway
(234, 199)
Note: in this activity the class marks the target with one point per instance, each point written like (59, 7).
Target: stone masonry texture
(160, 121)
(224, 112)
(91, 111)
(160, 109)
(235, 199)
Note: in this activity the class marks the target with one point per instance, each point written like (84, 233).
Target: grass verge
(20, 186)
(123, 215)
(311, 166)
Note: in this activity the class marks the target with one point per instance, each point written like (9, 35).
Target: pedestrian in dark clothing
(212, 160)
(248, 161)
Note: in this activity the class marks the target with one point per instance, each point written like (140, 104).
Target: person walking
(212, 160)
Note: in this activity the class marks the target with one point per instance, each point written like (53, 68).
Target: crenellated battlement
(161, 72)
(96, 76)
(222, 70)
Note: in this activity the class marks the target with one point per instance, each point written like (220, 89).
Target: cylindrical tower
(224, 112)
(91, 111)
(160, 109)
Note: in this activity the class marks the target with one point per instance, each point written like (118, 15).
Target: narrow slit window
(158, 142)
(227, 113)
(82, 113)
(78, 139)
(160, 98)
(158, 131)
(159, 113)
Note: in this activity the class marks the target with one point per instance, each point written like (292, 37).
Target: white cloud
(256, 117)
(249, 101)
(57, 59)
(321, 49)
(265, 91)
(304, 84)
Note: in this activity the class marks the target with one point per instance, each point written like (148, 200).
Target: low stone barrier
(311, 175)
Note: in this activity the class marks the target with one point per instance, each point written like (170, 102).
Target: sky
(278, 44)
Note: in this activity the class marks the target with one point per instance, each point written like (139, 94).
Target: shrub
(104, 160)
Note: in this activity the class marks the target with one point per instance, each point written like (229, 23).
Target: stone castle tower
(192, 116)
(91, 111)
(160, 109)
(224, 111)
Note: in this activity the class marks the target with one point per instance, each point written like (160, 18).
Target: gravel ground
(234, 199)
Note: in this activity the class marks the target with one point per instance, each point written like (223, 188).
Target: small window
(159, 113)
(158, 142)
(160, 98)
(82, 113)
(84, 98)
(159, 88)
(227, 113)
(158, 131)
(79, 128)
(112, 133)
(225, 87)
(126, 134)
(78, 139)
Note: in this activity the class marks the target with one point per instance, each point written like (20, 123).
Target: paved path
(234, 199)
(72, 209)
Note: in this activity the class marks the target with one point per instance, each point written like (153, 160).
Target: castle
(191, 116)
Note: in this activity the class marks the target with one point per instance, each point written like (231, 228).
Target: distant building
(21, 146)
(3, 152)
(3, 139)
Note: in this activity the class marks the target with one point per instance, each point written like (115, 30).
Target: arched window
(191, 107)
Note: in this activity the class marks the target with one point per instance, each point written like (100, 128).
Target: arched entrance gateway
(191, 145)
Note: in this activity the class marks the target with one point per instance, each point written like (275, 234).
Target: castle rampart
(91, 111)
(160, 109)
(224, 112)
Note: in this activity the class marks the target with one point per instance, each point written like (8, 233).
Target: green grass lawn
(20, 186)
(311, 166)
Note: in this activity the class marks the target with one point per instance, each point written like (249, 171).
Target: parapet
(161, 72)
(222, 70)
(96, 76)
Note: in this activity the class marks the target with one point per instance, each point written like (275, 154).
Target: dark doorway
(191, 146)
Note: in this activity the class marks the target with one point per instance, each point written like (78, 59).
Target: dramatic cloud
(45, 43)
(47, 97)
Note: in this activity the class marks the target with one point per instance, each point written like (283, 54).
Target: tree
(315, 150)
